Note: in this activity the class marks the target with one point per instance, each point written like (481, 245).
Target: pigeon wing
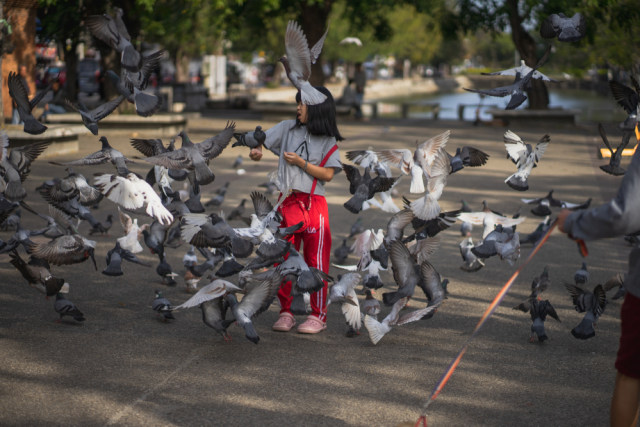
(297, 49)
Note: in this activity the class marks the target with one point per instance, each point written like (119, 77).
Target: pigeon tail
(585, 329)
(250, 332)
(518, 182)
(146, 104)
(204, 175)
(309, 95)
(376, 329)
(33, 127)
(516, 100)
(299, 305)
(354, 204)
(426, 207)
(613, 170)
(538, 328)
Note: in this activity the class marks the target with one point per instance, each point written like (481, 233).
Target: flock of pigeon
(253, 258)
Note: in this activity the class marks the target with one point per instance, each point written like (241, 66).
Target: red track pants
(315, 236)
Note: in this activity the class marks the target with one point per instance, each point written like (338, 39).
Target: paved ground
(123, 366)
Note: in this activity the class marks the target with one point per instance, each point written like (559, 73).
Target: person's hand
(293, 159)
(256, 153)
(562, 216)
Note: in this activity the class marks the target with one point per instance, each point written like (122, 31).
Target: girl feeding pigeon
(309, 158)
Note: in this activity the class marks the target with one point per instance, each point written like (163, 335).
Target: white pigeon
(427, 206)
(132, 192)
(416, 163)
(489, 219)
(524, 156)
(298, 60)
(344, 291)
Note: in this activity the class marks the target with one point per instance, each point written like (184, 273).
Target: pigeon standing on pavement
(163, 307)
(64, 307)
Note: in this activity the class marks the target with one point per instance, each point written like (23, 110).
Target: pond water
(593, 107)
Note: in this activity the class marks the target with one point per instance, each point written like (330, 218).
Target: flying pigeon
(523, 69)
(564, 28)
(363, 187)
(543, 204)
(106, 154)
(18, 93)
(344, 292)
(629, 99)
(516, 90)
(90, 118)
(113, 32)
(298, 60)
(613, 167)
(525, 158)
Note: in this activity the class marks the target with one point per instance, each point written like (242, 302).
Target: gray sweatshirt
(286, 136)
(618, 217)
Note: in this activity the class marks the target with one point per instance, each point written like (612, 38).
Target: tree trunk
(313, 19)
(526, 46)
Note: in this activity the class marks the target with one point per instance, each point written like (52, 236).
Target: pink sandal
(312, 325)
(284, 323)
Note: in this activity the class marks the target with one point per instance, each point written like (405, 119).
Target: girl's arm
(321, 173)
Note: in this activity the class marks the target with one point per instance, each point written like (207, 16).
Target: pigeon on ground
(165, 272)
(18, 93)
(356, 228)
(581, 276)
(590, 303)
(363, 187)
(524, 156)
(298, 60)
(564, 28)
(163, 307)
(219, 197)
(194, 157)
(341, 253)
(190, 258)
(238, 211)
(90, 118)
(416, 163)
(613, 167)
(64, 307)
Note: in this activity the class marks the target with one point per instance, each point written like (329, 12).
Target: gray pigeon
(406, 273)
(18, 93)
(590, 303)
(538, 310)
(297, 62)
(251, 140)
(163, 307)
(344, 293)
(341, 253)
(113, 32)
(90, 118)
(219, 197)
(115, 257)
(516, 90)
(467, 156)
(251, 304)
(581, 276)
(613, 167)
(629, 99)
(363, 187)
(471, 262)
(194, 157)
(64, 307)
(106, 154)
(564, 28)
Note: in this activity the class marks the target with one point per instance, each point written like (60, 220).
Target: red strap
(322, 163)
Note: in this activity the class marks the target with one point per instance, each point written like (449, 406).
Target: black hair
(321, 118)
